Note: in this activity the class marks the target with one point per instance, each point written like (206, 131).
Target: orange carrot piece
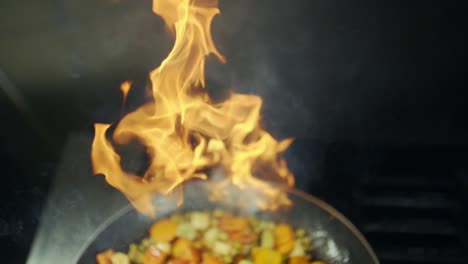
(286, 247)
(284, 238)
(105, 257)
(233, 223)
(210, 259)
(184, 249)
(179, 261)
(244, 237)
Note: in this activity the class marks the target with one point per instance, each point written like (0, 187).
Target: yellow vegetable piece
(284, 238)
(286, 247)
(163, 230)
(184, 249)
(266, 256)
(283, 233)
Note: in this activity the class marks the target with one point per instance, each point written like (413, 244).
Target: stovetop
(410, 202)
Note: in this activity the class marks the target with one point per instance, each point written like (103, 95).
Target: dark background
(337, 75)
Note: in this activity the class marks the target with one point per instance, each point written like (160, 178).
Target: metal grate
(408, 202)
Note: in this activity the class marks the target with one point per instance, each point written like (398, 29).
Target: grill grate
(409, 203)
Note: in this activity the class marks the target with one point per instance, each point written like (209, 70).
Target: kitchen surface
(374, 94)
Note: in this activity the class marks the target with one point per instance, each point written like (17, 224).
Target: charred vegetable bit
(217, 237)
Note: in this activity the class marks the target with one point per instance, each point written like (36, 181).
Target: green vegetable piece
(197, 244)
(306, 241)
(236, 245)
(218, 212)
(144, 244)
(164, 246)
(221, 248)
(300, 232)
(200, 220)
(227, 258)
(120, 258)
(210, 236)
(135, 255)
(298, 250)
(267, 239)
(222, 236)
(186, 230)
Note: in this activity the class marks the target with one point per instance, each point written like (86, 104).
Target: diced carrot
(298, 260)
(184, 249)
(266, 256)
(286, 247)
(163, 230)
(210, 259)
(179, 261)
(154, 255)
(105, 257)
(283, 233)
(284, 238)
(230, 223)
(244, 237)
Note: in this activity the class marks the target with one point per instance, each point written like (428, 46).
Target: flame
(125, 88)
(185, 132)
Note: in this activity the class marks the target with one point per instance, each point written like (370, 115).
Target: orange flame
(125, 88)
(185, 133)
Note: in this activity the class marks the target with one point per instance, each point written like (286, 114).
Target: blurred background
(373, 92)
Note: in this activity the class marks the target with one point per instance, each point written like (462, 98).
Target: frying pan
(336, 239)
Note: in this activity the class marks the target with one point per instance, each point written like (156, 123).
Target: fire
(185, 132)
(125, 88)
